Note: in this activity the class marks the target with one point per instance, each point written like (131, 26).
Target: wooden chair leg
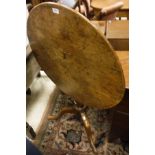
(106, 28)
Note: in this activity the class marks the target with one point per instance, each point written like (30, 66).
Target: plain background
(13, 77)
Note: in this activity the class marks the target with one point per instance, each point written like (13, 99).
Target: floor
(42, 90)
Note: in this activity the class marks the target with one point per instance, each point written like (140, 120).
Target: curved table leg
(62, 112)
(88, 131)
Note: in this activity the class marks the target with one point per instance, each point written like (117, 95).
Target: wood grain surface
(75, 55)
(124, 59)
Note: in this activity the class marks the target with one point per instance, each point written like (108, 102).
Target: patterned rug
(67, 135)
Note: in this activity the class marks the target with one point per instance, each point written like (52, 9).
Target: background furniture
(97, 5)
(117, 33)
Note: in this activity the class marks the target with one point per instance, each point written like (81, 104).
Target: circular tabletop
(75, 55)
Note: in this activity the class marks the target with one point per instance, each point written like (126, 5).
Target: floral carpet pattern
(68, 133)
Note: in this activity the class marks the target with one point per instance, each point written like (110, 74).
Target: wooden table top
(75, 55)
(99, 4)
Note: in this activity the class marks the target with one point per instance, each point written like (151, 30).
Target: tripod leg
(88, 131)
(62, 112)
